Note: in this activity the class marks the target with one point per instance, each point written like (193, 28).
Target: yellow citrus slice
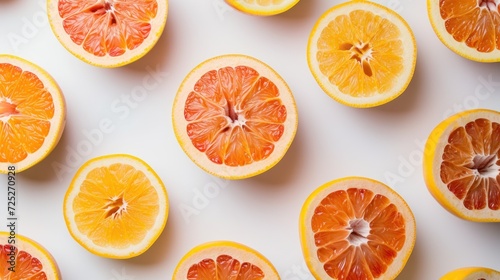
(116, 206)
(362, 54)
(470, 28)
(32, 114)
(224, 260)
(462, 164)
(472, 273)
(26, 259)
(107, 33)
(356, 228)
(234, 116)
(262, 7)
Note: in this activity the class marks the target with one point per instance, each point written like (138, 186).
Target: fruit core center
(104, 7)
(362, 53)
(115, 207)
(7, 109)
(485, 165)
(488, 4)
(231, 112)
(360, 229)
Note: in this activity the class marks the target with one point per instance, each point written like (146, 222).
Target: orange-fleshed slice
(462, 164)
(116, 206)
(108, 33)
(470, 28)
(362, 54)
(32, 114)
(262, 7)
(234, 116)
(224, 260)
(356, 228)
(25, 260)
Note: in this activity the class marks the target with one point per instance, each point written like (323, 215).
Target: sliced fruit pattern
(474, 22)
(471, 164)
(116, 199)
(224, 267)
(107, 27)
(361, 53)
(358, 233)
(26, 108)
(235, 116)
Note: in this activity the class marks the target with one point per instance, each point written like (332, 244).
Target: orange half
(107, 33)
(27, 260)
(470, 28)
(462, 164)
(356, 228)
(234, 116)
(224, 260)
(362, 54)
(32, 114)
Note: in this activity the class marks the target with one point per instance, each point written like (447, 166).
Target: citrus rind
(254, 7)
(23, 243)
(307, 240)
(108, 61)
(409, 55)
(460, 48)
(57, 123)
(211, 250)
(153, 233)
(434, 149)
(200, 158)
(471, 273)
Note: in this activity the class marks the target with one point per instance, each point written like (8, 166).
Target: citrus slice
(462, 164)
(234, 116)
(107, 33)
(26, 259)
(356, 228)
(224, 260)
(32, 114)
(262, 7)
(472, 273)
(362, 54)
(116, 206)
(470, 28)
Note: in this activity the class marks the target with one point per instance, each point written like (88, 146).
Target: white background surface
(262, 212)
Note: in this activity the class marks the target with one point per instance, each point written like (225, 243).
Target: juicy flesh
(27, 266)
(224, 267)
(361, 53)
(116, 206)
(26, 108)
(358, 234)
(471, 164)
(235, 116)
(107, 27)
(473, 22)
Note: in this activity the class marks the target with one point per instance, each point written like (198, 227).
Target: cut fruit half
(362, 54)
(472, 273)
(462, 165)
(470, 28)
(224, 260)
(262, 7)
(116, 206)
(356, 228)
(234, 116)
(107, 33)
(26, 260)
(32, 114)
